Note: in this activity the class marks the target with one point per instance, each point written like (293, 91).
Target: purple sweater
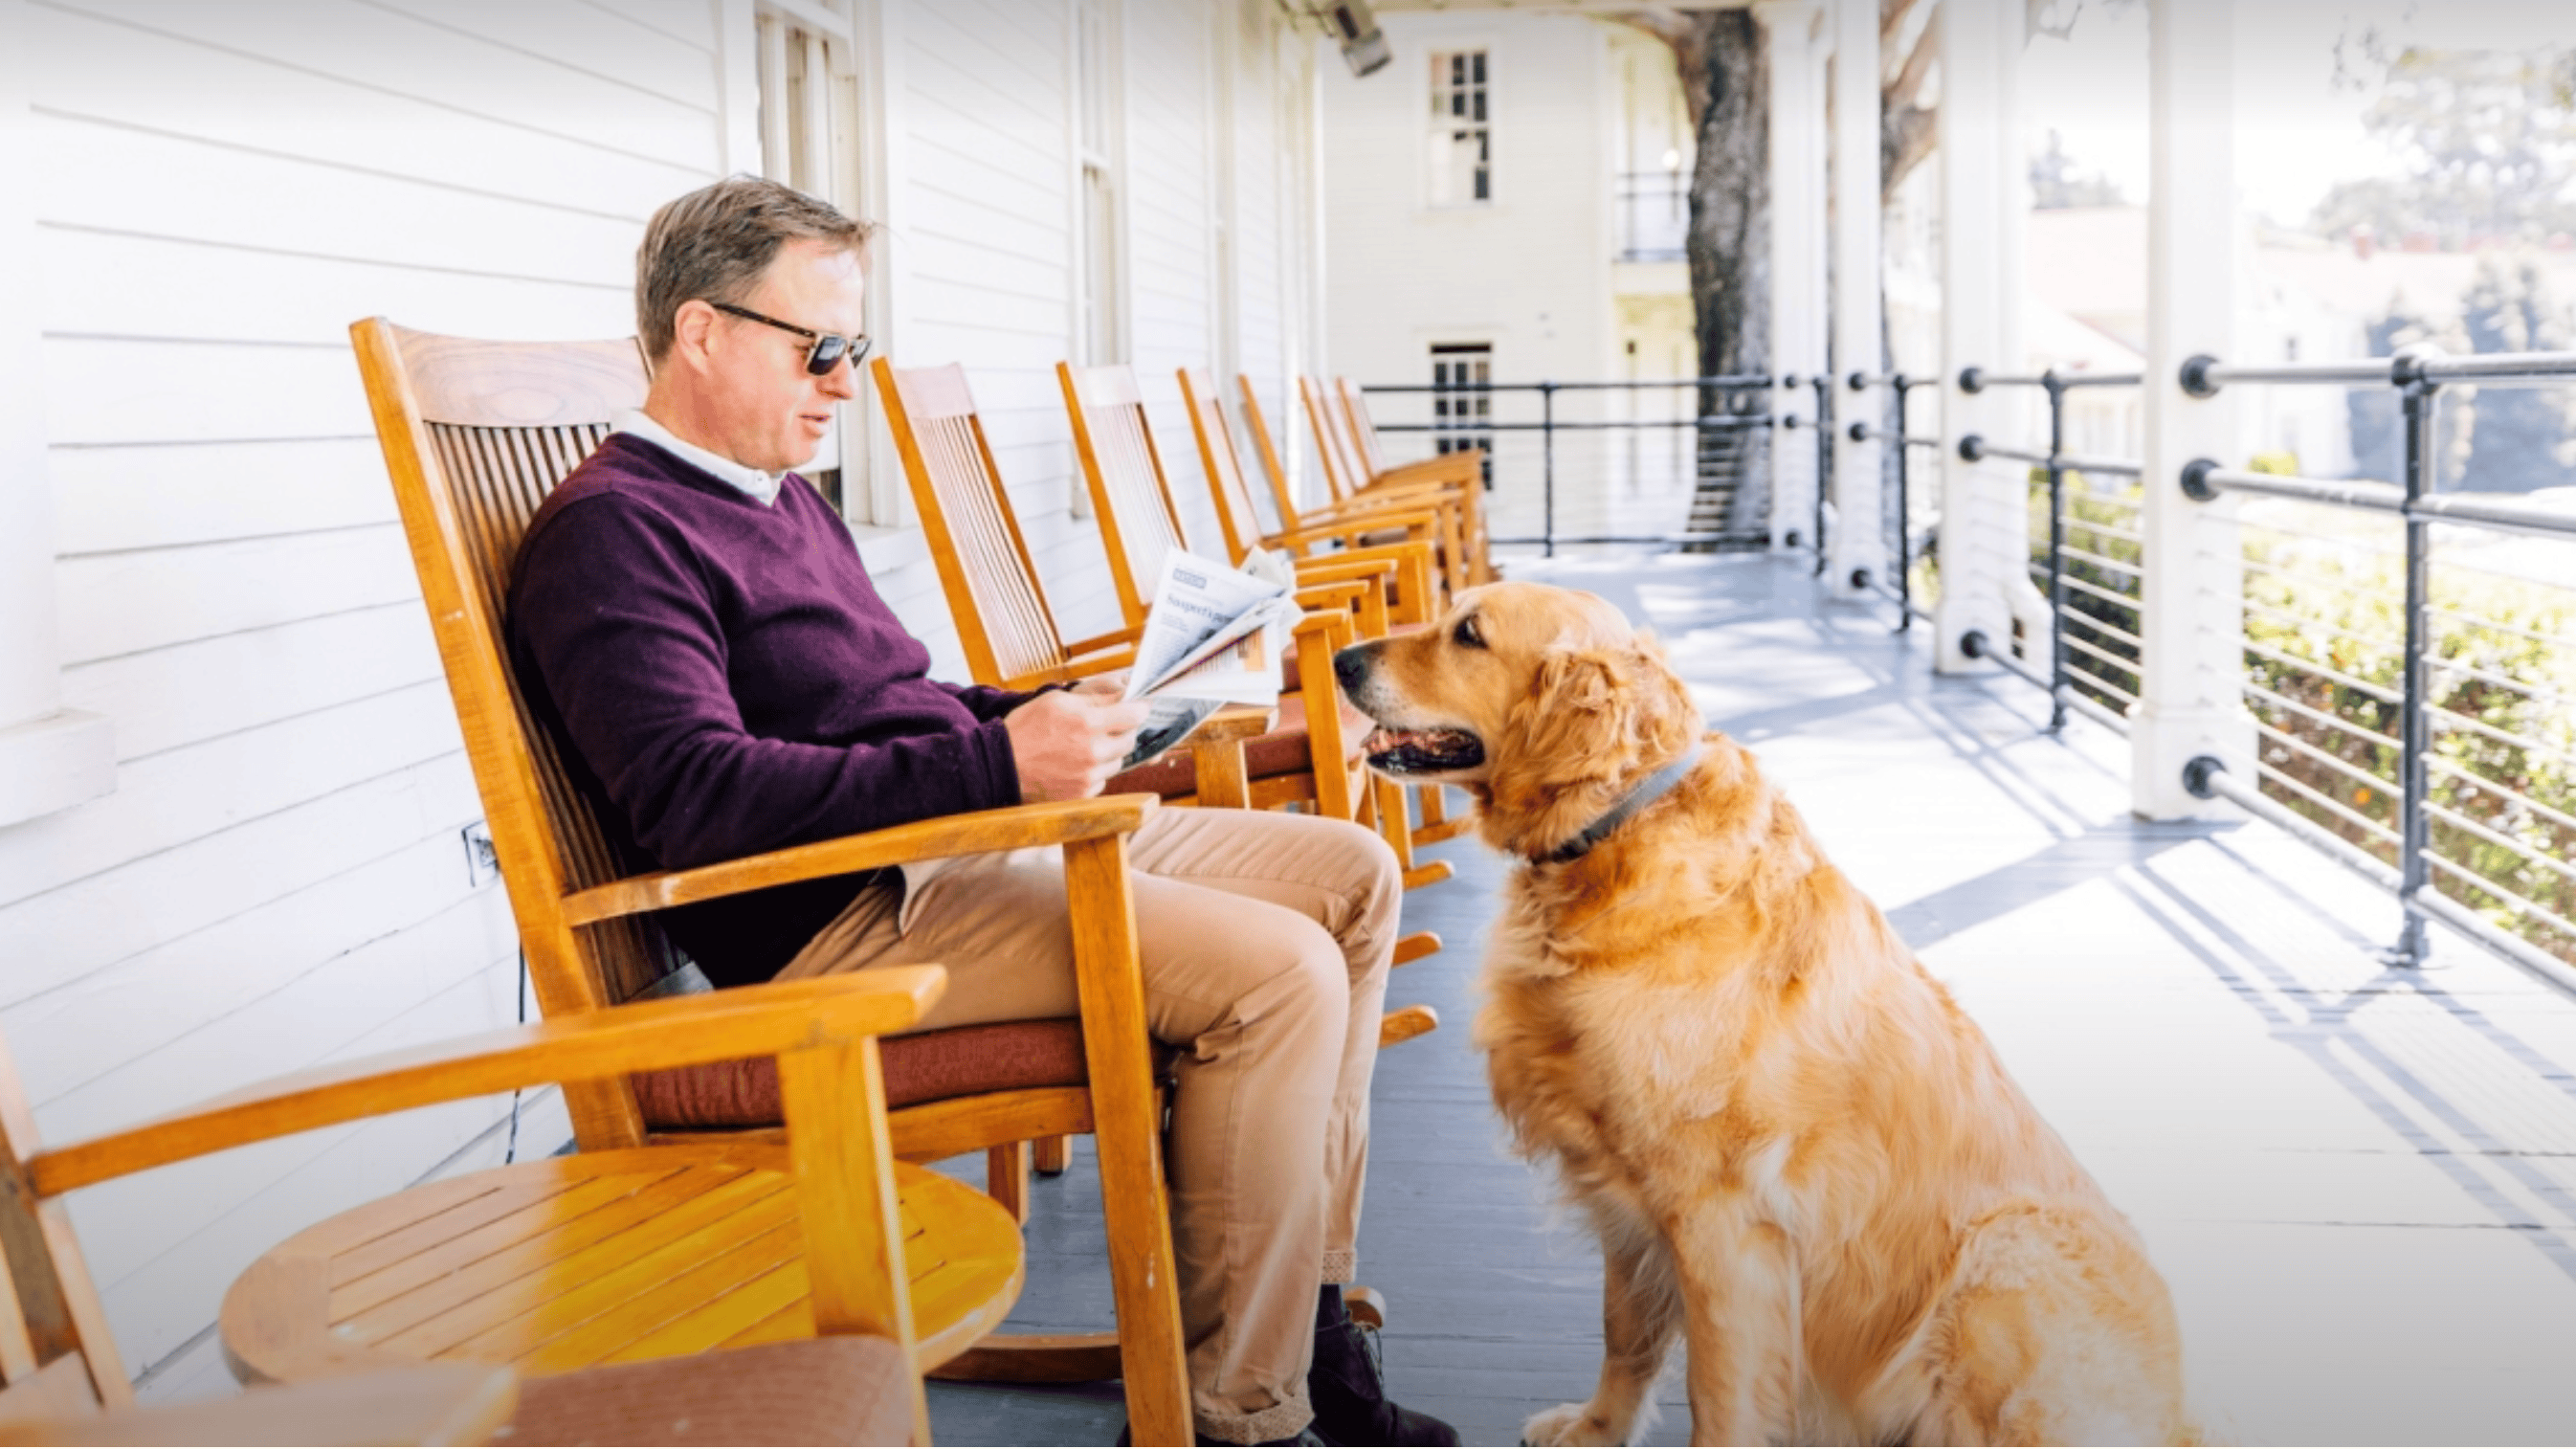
(723, 680)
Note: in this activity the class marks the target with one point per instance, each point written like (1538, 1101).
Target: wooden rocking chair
(1459, 518)
(475, 435)
(1419, 594)
(893, 1265)
(1356, 473)
(1139, 523)
(1420, 597)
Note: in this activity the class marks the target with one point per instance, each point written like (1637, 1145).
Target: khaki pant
(1265, 941)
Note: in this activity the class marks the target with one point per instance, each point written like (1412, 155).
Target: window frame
(1443, 131)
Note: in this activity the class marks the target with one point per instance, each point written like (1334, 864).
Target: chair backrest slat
(1139, 525)
(1263, 447)
(1332, 443)
(1363, 431)
(1235, 512)
(476, 436)
(984, 565)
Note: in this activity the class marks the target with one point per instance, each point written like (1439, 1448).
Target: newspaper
(1215, 636)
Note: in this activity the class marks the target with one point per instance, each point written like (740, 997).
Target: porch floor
(2360, 1182)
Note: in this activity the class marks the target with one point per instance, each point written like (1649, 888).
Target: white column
(1857, 545)
(1793, 51)
(50, 757)
(1985, 527)
(2190, 703)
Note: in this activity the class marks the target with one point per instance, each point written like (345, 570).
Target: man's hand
(1110, 685)
(1068, 743)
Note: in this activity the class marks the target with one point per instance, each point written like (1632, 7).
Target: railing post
(1985, 541)
(1901, 384)
(1824, 459)
(1856, 554)
(1793, 60)
(2420, 397)
(1547, 461)
(2056, 387)
(2191, 676)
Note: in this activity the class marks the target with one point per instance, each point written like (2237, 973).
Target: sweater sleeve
(987, 703)
(612, 612)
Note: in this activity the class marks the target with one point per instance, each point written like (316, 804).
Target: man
(694, 625)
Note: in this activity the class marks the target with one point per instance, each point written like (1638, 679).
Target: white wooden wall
(218, 191)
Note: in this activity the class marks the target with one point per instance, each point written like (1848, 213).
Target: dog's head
(1542, 700)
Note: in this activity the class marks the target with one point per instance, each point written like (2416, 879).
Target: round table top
(599, 1257)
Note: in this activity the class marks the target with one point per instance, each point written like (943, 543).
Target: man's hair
(715, 243)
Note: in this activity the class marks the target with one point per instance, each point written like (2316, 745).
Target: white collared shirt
(761, 487)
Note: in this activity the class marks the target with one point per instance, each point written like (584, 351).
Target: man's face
(764, 409)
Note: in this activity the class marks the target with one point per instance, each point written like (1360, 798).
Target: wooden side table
(598, 1257)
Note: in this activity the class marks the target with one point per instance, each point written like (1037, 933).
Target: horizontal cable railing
(1651, 462)
(2091, 568)
(2441, 764)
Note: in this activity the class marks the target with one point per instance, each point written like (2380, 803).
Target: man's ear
(691, 328)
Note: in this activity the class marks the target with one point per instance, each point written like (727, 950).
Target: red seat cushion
(924, 1067)
(840, 1390)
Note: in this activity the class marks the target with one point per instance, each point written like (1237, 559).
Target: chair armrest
(1080, 667)
(1234, 722)
(433, 1403)
(1051, 823)
(1335, 568)
(1076, 648)
(642, 1036)
(1330, 600)
(1418, 523)
(1448, 467)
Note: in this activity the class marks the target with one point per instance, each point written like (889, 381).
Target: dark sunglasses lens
(827, 354)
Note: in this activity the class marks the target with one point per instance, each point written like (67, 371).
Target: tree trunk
(1729, 244)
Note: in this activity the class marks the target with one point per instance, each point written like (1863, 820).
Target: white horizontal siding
(218, 192)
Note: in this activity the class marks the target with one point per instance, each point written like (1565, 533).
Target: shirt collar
(761, 487)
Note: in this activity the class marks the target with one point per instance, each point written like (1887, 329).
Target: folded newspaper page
(1215, 636)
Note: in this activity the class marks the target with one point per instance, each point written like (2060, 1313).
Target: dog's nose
(1350, 666)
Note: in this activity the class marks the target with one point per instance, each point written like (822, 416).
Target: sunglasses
(828, 349)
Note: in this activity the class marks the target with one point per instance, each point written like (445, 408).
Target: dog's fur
(1799, 1155)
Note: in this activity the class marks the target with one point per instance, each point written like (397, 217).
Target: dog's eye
(1467, 635)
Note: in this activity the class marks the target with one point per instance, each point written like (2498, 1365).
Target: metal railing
(1905, 542)
(1553, 443)
(2093, 587)
(2323, 761)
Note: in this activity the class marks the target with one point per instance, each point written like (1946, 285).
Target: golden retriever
(1800, 1156)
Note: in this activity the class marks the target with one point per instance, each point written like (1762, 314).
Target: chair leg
(1437, 823)
(1404, 1024)
(1051, 1155)
(1366, 1305)
(1006, 1178)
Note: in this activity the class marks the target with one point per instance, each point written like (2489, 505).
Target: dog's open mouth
(1422, 752)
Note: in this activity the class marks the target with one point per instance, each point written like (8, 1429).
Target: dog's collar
(1649, 790)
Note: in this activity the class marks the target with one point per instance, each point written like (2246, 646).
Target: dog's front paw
(1569, 1424)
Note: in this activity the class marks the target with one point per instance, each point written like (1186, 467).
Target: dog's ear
(1666, 719)
(1573, 728)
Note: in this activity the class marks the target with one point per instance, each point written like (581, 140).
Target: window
(1462, 141)
(1462, 401)
(805, 52)
(1099, 333)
